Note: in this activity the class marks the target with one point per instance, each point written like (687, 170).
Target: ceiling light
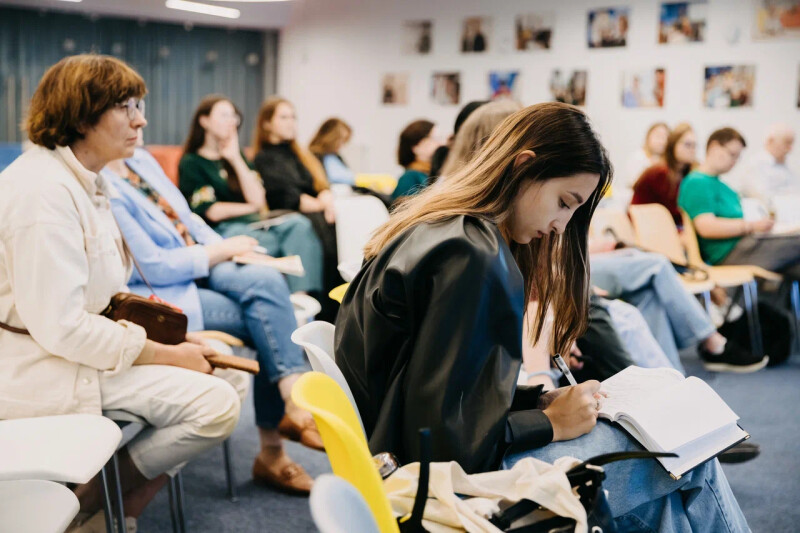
(197, 7)
(74, 1)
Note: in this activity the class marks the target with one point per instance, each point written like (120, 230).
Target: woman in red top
(659, 184)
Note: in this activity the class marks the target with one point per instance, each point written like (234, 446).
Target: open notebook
(666, 412)
(291, 265)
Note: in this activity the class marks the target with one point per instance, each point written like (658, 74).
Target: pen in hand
(564, 369)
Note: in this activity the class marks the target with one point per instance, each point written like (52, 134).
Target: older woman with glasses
(62, 259)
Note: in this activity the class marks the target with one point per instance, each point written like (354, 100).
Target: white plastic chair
(305, 308)
(317, 340)
(68, 448)
(357, 217)
(349, 269)
(36, 506)
(337, 507)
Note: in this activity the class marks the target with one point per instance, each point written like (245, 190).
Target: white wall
(333, 54)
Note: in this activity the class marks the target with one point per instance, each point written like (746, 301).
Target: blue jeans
(648, 281)
(642, 496)
(295, 236)
(251, 302)
(635, 334)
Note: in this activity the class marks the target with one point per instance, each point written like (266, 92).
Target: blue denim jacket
(169, 265)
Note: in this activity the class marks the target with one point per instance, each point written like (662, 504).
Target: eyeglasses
(132, 105)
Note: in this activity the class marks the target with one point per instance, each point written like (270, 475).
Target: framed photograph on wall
(417, 37)
(475, 34)
(569, 88)
(446, 88)
(533, 31)
(643, 88)
(729, 86)
(607, 27)
(776, 19)
(504, 84)
(394, 88)
(682, 22)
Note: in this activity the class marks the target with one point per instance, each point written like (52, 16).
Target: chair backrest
(317, 340)
(168, 156)
(615, 220)
(347, 450)
(656, 231)
(357, 217)
(337, 507)
(690, 240)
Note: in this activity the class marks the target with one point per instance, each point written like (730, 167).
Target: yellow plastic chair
(338, 293)
(383, 183)
(345, 442)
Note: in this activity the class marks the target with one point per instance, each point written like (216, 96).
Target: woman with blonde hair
(649, 154)
(430, 331)
(475, 131)
(329, 140)
(294, 179)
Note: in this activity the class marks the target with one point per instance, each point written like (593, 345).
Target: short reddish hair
(74, 93)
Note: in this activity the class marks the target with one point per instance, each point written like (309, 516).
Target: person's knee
(218, 410)
(268, 279)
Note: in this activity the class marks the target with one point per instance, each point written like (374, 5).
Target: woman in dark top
(418, 142)
(660, 183)
(221, 187)
(294, 179)
(430, 330)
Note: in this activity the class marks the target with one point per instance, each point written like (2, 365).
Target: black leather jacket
(430, 335)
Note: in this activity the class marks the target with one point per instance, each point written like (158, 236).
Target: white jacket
(61, 260)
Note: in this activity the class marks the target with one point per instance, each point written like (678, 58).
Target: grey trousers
(779, 254)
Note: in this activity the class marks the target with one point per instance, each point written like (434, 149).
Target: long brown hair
(409, 138)
(676, 170)
(555, 267)
(197, 135)
(329, 136)
(261, 139)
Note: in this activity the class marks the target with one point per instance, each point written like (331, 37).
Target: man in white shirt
(768, 176)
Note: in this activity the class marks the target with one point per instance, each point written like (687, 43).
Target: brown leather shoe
(306, 434)
(290, 478)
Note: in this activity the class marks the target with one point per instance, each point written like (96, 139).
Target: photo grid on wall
(394, 88)
(776, 19)
(569, 88)
(475, 35)
(643, 88)
(682, 22)
(729, 86)
(417, 37)
(533, 31)
(608, 27)
(725, 85)
(446, 88)
(504, 84)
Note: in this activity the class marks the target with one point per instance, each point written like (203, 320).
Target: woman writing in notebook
(430, 331)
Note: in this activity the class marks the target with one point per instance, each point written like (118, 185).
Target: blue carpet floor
(768, 488)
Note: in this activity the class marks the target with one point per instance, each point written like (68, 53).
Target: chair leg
(107, 498)
(750, 297)
(118, 491)
(173, 496)
(181, 515)
(226, 454)
(795, 298)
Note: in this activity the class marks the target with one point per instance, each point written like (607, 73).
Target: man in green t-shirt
(725, 237)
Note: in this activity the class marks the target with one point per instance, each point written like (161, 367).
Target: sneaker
(733, 359)
(742, 452)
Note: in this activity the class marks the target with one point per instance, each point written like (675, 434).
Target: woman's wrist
(747, 230)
